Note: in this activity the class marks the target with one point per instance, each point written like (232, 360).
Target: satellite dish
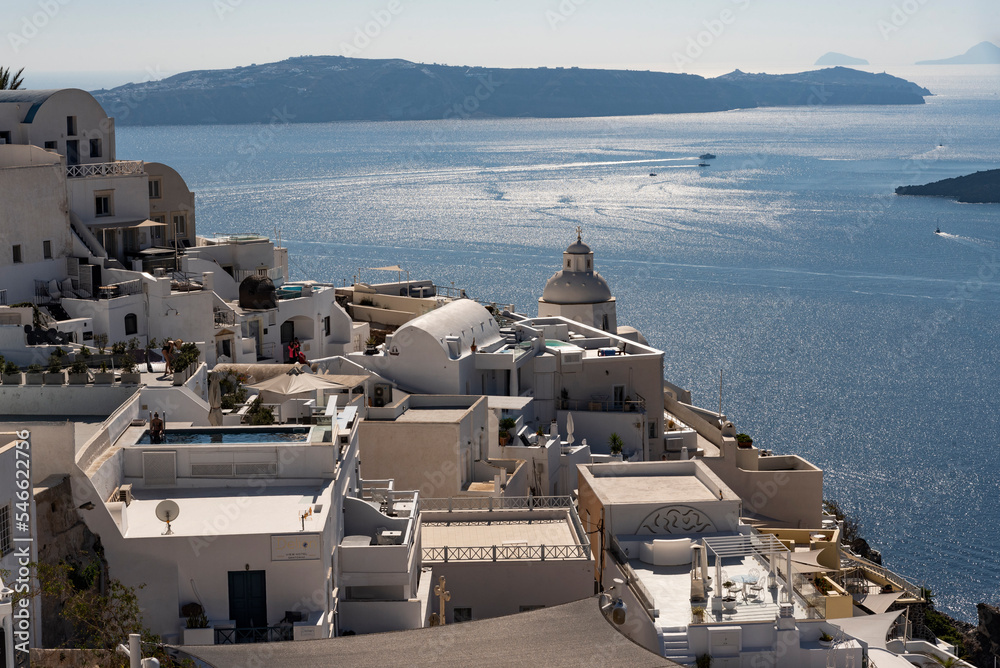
(167, 511)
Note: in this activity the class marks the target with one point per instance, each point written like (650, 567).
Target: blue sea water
(845, 329)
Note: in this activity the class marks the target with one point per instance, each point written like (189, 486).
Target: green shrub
(78, 366)
(10, 368)
(616, 443)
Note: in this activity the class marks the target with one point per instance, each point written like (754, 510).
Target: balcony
(604, 406)
(117, 168)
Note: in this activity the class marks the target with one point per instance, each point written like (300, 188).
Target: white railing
(505, 553)
(117, 168)
(457, 503)
(911, 589)
(133, 287)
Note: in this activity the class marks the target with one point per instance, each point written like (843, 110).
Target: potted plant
(506, 424)
(33, 375)
(370, 345)
(825, 639)
(703, 661)
(11, 374)
(101, 341)
(540, 433)
(743, 441)
(698, 614)
(729, 601)
(78, 373)
(616, 443)
(197, 631)
(55, 375)
(104, 377)
(184, 363)
(129, 374)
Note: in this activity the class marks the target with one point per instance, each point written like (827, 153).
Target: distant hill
(834, 59)
(981, 187)
(831, 86)
(984, 53)
(335, 88)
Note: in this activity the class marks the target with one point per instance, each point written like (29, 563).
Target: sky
(97, 43)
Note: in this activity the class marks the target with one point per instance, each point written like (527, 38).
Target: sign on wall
(295, 547)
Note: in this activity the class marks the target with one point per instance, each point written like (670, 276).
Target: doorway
(287, 334)
(247, 601)
(72, 152)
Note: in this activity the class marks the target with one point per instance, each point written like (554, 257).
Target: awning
(394, 267)
(808, 562)
(123, 224)
(871, 630)
(877, 603)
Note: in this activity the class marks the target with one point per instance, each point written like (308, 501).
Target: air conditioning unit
(383, 395)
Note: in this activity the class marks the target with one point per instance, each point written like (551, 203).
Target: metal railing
(603, 406)
(497, 503)
(117, 168)
(270, 272)
(253, 635)
(505, 553)
(224, 317)
(133, 287)
(911, 589)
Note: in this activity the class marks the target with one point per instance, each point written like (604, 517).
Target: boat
(706, 156)
(937, 231)
(652, 173)
(703, 164)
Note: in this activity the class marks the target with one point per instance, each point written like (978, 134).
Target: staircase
(674, 644)
(57, 312)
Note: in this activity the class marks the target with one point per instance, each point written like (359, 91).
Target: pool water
(233, 435)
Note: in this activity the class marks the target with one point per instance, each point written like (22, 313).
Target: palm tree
(9, 82)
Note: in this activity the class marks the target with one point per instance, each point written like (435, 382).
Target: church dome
(579, 248)
(576, 287)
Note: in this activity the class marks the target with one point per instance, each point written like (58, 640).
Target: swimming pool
(230, 435)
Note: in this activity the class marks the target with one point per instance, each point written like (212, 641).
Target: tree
(8, 81)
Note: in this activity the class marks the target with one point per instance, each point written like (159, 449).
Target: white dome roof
(576, 287)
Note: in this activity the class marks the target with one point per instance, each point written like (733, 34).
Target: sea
(842, 327)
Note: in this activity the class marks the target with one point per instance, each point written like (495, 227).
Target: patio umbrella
(215, 401)
(292, 385)
(569, 428)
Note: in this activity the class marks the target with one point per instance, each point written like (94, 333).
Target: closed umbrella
(569, 428)
(215, 401)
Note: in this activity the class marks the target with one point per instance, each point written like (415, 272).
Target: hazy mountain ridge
(979, 188)
(984, 53)
(335, 88)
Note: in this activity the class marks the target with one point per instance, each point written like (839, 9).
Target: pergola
(746, 545)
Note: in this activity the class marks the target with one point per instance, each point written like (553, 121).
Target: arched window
(131, 324)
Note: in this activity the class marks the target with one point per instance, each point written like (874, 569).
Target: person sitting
(156, 429)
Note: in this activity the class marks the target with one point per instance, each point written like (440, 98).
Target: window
(180, 225)
(47, 249)
(131, 324)
(154, 189)
(51, 146)
(95, 148)
(652, 429)
(6, 544)
(5, 137)
(71, 125)
(17, 254)
(104, 204)
(326, 326)
(463, 615)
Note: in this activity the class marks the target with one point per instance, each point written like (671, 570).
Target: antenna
(720, 396)
(167, 511)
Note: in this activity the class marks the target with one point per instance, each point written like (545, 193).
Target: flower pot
(204, 636)
(58, 378)
(13, 378)
(79, 378)
(729, 603)
(826, 643)
(31, 378)
(131, 378)
(104, 378)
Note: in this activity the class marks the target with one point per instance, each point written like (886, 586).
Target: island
(834, 59)
(984, 53)
(315, 89)
(979, 188)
